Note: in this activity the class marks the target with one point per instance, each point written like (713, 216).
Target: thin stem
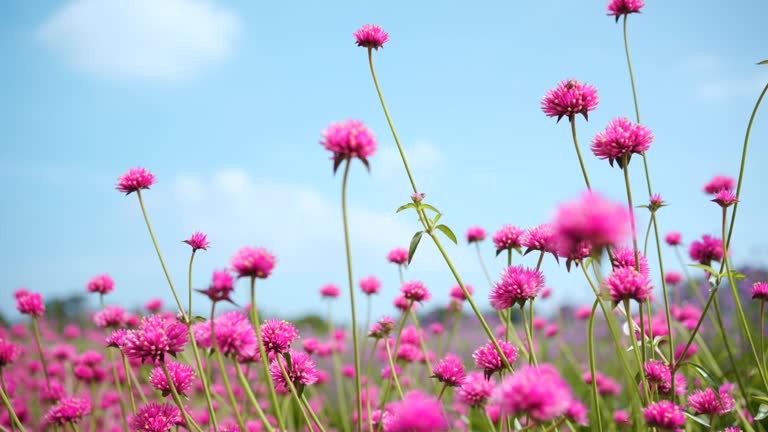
(591, 342)
(177, 399)
(9, 407)
(529, 335)
(126, 368)
(728, 349)
(488, 418)
(116, 377)
(442, 392)
(36, 330)
(633, 338)
(249, 393)
(482, 264)
(223, 370)
(647, 234)
(625, 170)
(667, 313)
(762, 331)
(367, 381)
(393, 371)
(712, 295)
(189, 278)
(572, 121)
(292, 389)
(423, 346)
(312, 413)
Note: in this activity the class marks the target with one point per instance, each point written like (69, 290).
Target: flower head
(507, 237)
(135, 180)
(536, 391)
(198, 240)
(69, 410)
(382, 328)
(620, 140)
(760, 291)
(154, 417)
(457, 293)
(476, 234)
(415, 291)
(577, 413)
(222, 285)
(348, 140)
(253, 262)
(718, 183)
(302, 370)
(517, 285)
(154, 305)
(29, 303)
(155, 337)
(625, 257)
(664, 415)
(370, 285)
(181, 376)
(110, 317)
(102, 284)
(571, 97)
(618, 8)
(593, 219)
(234, 334)
(673, 238)
(673, 277)
(475, 390)
(9, 352)
(487, 358)
(707, 402)
(706, 250)
(625, 283)
(370, 36)
(329, 291)
(449, 371)
(656, 202)
(541, 238)
(417, 412)
(278, 335)
(398, 256)
(725, 198)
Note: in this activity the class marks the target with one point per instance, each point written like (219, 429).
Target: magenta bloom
(154, 305)
(760, 291)
(625, 283)
(69, 410)
(102, 284)
(583, 312)
(605, 384)
(330, 291)
(181, 377)
(371, 36)
(302, 370)
(507, 237)
(475, 390)
(415, 291)
(673, 238)
(110, 317)
(707, 250)
(154, 417)
(9, 352)
(577, 413)
(541, 238)
(198, 241)
(222, 285)
(253, 262)
(417, 412)
(621, 139)
(707, 402)
(348, 140)
(457, 293)
(571, 97)
(135, 180)
(621, 417)
(719, 183)
(382, 328)
(517, 285)
(536, 391)
(618, 8)
(155, 337)
(593, 219)
(370, 285)
(29, 303)
(725, 198)
(398, 256)
(488, 359)
(278, 335)
(625, 257)
(664, 415)
(234, 334)
(673, 278)
(475, 234)
(449, 371)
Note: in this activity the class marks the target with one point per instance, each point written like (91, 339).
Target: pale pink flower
(154, 305)
(541, 238)
(536, 391)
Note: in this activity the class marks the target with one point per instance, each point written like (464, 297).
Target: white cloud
(715, 80)
(154, 40)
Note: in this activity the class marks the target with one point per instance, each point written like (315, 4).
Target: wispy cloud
(149, 40)
(715, 80)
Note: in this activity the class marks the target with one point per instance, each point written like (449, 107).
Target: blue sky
(225, 101)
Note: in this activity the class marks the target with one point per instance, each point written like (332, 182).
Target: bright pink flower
(154, 305)
(673, 278)
(620, 140)
(621, 417)
(370, 285)
(417, 412)
(664, 415)
(507, 237)
(253, 262)
(571, 97)
(488, 359)
(198, 240)
(760, 291)
(551, 330)
(370, 36)
(436, 328)
(673, 238)
(330, 291)
(708, 403)
(234, 334)
(725, 198)
(536, 391)
(719, 183)
(29, 303)
(154, 417)
(9, 352)
(475, 390)
(577, 413)
(475, 234)
(458, 294)
(415, 291)
(618, 8)
(402, 303)
(135, 180)
(449, 371)
(605, 384)
(583, 312)
(155, 337)
(310, 345)
(382, 328)
(222, 285)
(658, 375)
(517, 285)
(408, 352)
(102, 284)
(181, 376)
(398, 256)
(278, 335)
(302, 370)
(117, 338)
(348, 140)
(593, 219)
(69, 410)
(656, 202)
(541, 238)
(625, 283)
(109, 317)
(707, 250)
(625, 257)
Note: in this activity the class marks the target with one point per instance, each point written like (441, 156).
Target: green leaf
(697, 419)
(762, 412)
(405, 206)
(763, 62)
(437, 218)
(448, 233)
(414, 244)
(737, 275)
(288, 363)
(704, 267)
(427, 206)
(300, 389)
(761, 399)
(198, 318)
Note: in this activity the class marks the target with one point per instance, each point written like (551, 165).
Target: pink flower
(402, 303)
(155, 337)
(664, 415)
(577, 413)
(673, 238)
(370, 36)
(673, 277)
(659, 375)
(9, 352)
(302, 370)
(222, 285)
(102, 284)
(398, 256)
(593, 219)
(253, 262)
(725, 198)
(234, 334)
(348, 140)
(541, 238)
(475, 234)
(198, 241)
(571, 97)
(618, 8)
(117, 338)
(278, 335)
(625, 283)
(487, 358)
(536, 391)
(154, 417)
(583, 312)
(475, 390)
(135, 180)
(507, 237)
(417, 412)
(436, 328)
(625, 257)
(517, 285)
(719, 183)
(707, 402)
(370, 285)
(458, 294)
(760, 291)
(330, 291)
(621, 417)
(154, 305)
(707, 250)
(382, 328)
(109, 317)
(181, 377)
(449, 371)
(415, 291)
(605, 384)
(69, 410)
(621, 139)
(29, 303)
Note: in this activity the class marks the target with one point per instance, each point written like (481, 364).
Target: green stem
(312, 413)
(667, 313)
(712, 295)
(529, 336)
(423, 346)
(367, 381)
(126, 368)
(648, 234)
(9, 407)
(249, 393)
(393, 372)
(116, 377)
(189, 278)
(488, 418)
(177, 399)
(633, 338)
(36, 330)
(223, 370)
(591, 342)
(728, 349)
(762, 331)
(572, 121)
(292, 389)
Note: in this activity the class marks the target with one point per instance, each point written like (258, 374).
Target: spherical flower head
(571, 97)
(197, 241)
(330, 291)
(475, 390)
(621, 418)
(135, 180)
(625, 257)
(398, 256)
(536, 391)
(253, 262)
(302, 370)
(415, 291)
(154, 305)
(658, 374)
(725, 198)
(706, 250)
(29, 303)
(116, 338)
(181, 377)
(102, 284)
(673, 238)
(476, 234)
(517, 285)
(222, 285)
(709, 403)
(664, 415)
(370, 285)
(370, 36)
(449, 371)
(625, 283)
(541, 238)
(278, 335)
(9, 352)
(110, 317)
(577, 413)
(69, 410)
(382, 328)
(417, 412)
(618, 8)
(348, 140)
(487, 358)
(593, 219)
(403, 303)
(154, 417)
(673, 278)
(620, 140)
(155, 337)
(718, 183)
(760, 291)
(507, 237)
(457, 293)
(235, 335)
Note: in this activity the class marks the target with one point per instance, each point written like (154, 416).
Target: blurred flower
(725, 198)
(625, 257)
(301, 370)
(475, 234)
(417, 412)
(29, 303)
(69, 410)
(110, 317)
(536, 391)
(181, 377)
(458, 294)
(253, 262)
(475, 390)
(618, 8)
(370, 285)
(719, 183)
(673, 238)
(760, 291)
(507, 237)
(625, 283)
(707, 250)
(348, 140)
(398, 256)
(102, 284)
(487, 358)
(593, 219)
(330, 291)
(415, 291)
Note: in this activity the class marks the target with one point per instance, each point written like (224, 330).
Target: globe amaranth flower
(29, 303)
(135, 180)
(181, 376)
(110, 317)
(382, 328)
(222, 285)
(102, 284)
(593, 219)
(449, 371)
(301, 371)
(197, 241)
(330, 291)
(370, 36)
(673, 238)
(9, 352)
(278, 335)
(625, 257)
(625, 283)
(568, 99)
(116, 338)
(664, 415)
(605, 384)
(673, 277)
(415, 291)
(154, 305)
(621, 418)
(658, 375)
(417, 412)
(487, 357)
(536, 391)
(708, 403)
(760, 291)
(517, 285)
(234, 334)
(618, 8)
(253, 262)
(154, 417)
(370, 285)
(348, 140)
(725, 198)
(706, 250)
(718, 183)
(620, 140)
(577, 413)
(507, 237)
(457, 293)
(398, 256)
(155, 337)
(656, 202)
(69, 410)
(476, 234)
(475, 390)
(541, 238)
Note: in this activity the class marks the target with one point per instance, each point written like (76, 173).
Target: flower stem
(128, 371)
(667, 313)
(249, 393)
(36, 330)
(312, 413)
(528, 335)
(423, 346)
(762, 331)
(712, 295)
(189, 278)
(367, 381)
(393, 371)
(111, 360)
(177, 399)
(572, 120)
(223, 370)
(728, 349)
(292, 388)
(9, 407)
(488, 418)
(591, 342)
(633, 338)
